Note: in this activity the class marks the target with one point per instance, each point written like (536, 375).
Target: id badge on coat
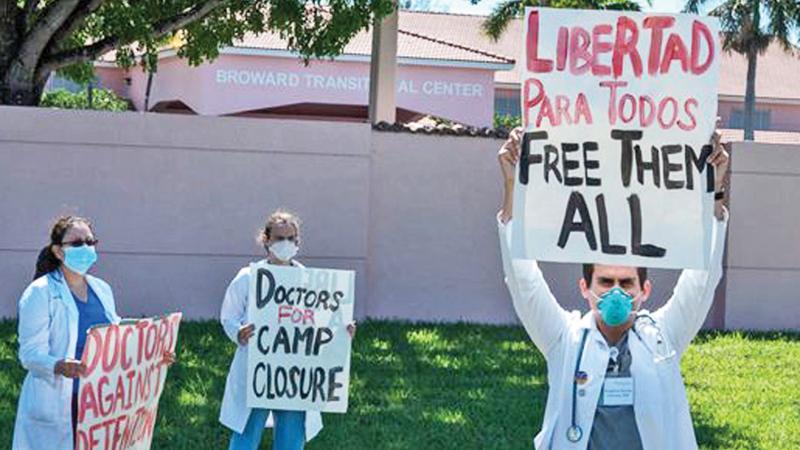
(618, 391)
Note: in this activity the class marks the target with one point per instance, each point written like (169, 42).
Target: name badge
(618, 391)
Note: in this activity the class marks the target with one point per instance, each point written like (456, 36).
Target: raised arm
(541, 315)
(684, 313)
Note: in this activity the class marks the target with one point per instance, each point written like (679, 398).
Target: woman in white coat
(291, 429)
(55, 312)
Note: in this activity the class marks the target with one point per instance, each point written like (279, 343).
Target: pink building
(446, 67)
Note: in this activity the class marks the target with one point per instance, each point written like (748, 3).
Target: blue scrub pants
(289, 432)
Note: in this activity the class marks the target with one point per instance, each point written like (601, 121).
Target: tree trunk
(750, 96)
(21, 87)
(147, 90)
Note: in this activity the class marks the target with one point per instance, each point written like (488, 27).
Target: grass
(465, 387)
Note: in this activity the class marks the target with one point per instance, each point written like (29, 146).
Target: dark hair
(47, 261)
(588, 271)
(280, 216)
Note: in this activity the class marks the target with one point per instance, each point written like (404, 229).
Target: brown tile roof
(410, 44)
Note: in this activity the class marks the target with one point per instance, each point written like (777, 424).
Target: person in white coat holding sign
(55, 313)
(614, 373)
(291, 429)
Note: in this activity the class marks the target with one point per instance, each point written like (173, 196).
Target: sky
(484, 7)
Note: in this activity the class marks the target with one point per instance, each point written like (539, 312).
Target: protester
(614, 373)
(291, 429)
(55, 313)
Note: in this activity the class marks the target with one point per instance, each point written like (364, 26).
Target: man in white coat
(614, 373)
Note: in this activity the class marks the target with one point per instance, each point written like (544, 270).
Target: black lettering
(319, 382)
(569, 164)
(590, 163)
(313, 299)
(260, 367)
(280, 381)
(653, 165)
(525, 158)
(332, 384)
(626, 158)
(306, 335)
(262, 300)
(324, 335)
(291, 391)
(637, 248)
(306, 383)
(551, 166)
(602, 214)
(577, 204)
(700, 163)
(280, 295)
(261, 341)
(322, 299)
(337, 300)
(670, 167)
(281, 339)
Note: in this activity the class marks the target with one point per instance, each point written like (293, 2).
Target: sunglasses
(88, 241)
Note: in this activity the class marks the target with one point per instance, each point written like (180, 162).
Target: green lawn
(466, 387)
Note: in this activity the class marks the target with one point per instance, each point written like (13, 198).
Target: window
(506, 103)
(761, 119)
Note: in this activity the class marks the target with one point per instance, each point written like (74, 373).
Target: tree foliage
(38, 37)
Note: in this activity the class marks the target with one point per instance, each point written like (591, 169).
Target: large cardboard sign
(299, 357)
(618, 109)
(118, 397)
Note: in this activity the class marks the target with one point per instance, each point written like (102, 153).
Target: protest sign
(299, 356)
(618, 110)
(118, 397)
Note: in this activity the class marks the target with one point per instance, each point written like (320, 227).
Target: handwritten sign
(299, 357)
(118, 397)
(618, 110)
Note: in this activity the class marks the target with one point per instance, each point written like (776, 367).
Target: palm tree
(745, 31)
(508, 10)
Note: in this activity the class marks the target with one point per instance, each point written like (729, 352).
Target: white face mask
(284, 250)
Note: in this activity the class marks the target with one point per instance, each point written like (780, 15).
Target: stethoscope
(575, 432)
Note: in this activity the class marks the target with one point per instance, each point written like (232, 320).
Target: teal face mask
(80, 259)
(615, 306)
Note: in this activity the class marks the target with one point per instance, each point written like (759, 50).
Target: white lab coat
(233, 314)
(660, 405)
(48, 332)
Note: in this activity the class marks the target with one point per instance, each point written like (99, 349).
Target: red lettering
(674, 50)
(646, 118)
(612, 98)
(561, 48)
(125, 361)
(579, 51)
(662, 106)
(532, 43)
(599, 47)
(582, 109)
(111, 332)
(693, 124)
(546, 111)
(562, 109)
(657, 24)
(627, 99)
(529, 102)
(625, 44)
(701, 31)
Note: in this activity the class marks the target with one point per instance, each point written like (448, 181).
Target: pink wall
(764, 238)
(177, 202)
(235, 83)
(782, 117)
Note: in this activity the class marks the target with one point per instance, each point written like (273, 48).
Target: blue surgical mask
(80, 259)
(615, 306)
